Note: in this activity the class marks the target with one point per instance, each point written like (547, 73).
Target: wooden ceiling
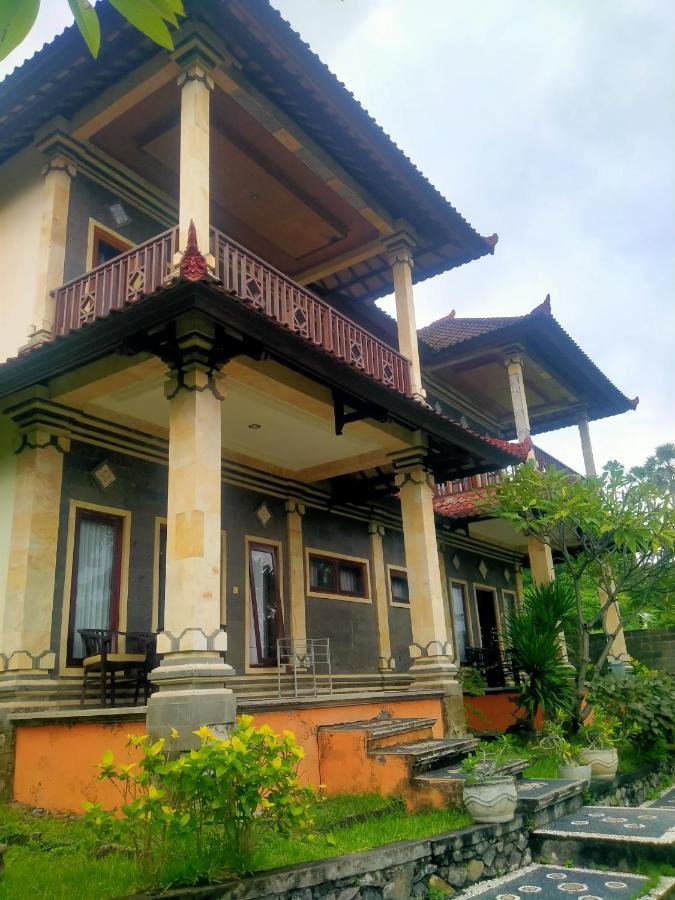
(262, 195)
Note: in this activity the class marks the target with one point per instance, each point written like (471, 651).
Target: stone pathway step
(422, 755)
(665, 801)
(548, 882)
(454, 771)
(608, 835)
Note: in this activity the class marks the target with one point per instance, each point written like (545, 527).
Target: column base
(191, 693)
(433, 672)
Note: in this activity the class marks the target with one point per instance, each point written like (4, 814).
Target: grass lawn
(58, 859)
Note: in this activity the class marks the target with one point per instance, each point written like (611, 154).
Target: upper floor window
(398, 584)
(339, 576)
(105, 244)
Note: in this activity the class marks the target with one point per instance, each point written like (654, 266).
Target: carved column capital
(292, 505)
(59, 164)
(400, 246)
(375, 527)
(40, 423)
(195, 355)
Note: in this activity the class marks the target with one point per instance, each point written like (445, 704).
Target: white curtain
(457, 591)
(350, 580)
(263, 603)
(93, 586)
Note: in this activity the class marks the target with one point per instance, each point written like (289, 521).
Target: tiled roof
(463, 505)
(449, 331)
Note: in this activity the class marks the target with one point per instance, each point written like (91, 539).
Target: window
(341, 577)
(266, 618)
(458, 598)
(398, 580)
(95, 586)
(105, 245)
(509, 606)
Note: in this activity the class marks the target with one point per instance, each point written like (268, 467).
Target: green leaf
(17, 17)
(169, 10)
(107, 758)
(87, 21)
(143, 14)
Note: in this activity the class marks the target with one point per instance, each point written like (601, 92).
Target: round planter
(492, 801)
(575, 773)
(603, 762)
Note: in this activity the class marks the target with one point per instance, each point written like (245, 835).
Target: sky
(552, 123)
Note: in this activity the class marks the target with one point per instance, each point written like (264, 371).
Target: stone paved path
(556, 882)
(637, 824)
(665, 801)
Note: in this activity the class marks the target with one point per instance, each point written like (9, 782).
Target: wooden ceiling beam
(338, 263)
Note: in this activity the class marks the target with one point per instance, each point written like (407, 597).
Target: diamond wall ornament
(482, 568)
(456, 561)
(104, 476)
(507, 575)
(263, 514)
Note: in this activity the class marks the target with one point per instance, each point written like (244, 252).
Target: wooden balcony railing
(261, 286)
(143, 269)
(476, 482)
(115, 284)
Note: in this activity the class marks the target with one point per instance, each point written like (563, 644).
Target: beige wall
(7, 459)
(20, 219)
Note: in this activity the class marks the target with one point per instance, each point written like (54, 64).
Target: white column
(51, 255)
(400, 248)
(611, 618)
(296, 568)
(586, 446)
(514, 367)
(385, 661)
(192, 675)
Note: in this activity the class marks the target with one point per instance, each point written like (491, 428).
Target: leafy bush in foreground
(201, 815)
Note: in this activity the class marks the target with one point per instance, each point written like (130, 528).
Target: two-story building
(209, 430)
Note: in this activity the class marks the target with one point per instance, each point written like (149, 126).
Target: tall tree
(659, 468)
(616, 530)
(153, 17)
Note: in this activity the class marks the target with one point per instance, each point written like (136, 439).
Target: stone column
(385, 661)
(611, 619)
(51, 255)
(191, 677)
(26, 654)
(296, 568)
(431, 652)
(400, 247)
(586, 446)
(541, 558)
(520, 594)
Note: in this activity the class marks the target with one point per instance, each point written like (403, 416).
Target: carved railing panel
(115, 284)
(261, 286)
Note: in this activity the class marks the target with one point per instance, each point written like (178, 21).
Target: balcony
(543, 459)
(247, 279)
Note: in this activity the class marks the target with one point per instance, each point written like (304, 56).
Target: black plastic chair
(102, 658)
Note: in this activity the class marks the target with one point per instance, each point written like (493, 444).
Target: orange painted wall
(491, 712)
(55, 763)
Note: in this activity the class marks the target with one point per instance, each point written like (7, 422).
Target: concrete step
(454, 771)
(431, 753)
(553, 882)
(608, 836)
(386, 732)
(664, 801)
(544, 800)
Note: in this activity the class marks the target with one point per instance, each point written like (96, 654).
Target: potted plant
(600, 751)
(554, 743)
(488, 796)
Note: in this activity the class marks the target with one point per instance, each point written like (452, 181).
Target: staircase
(410, 758)
(392, 756)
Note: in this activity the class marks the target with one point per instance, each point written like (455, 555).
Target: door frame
(251, 541)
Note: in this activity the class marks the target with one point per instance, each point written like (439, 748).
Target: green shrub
(534, 643)
(553, 743)
(643, 702)
(201, 815)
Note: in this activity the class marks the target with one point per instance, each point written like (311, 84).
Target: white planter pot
(603, 761)
(492, 801)
(575, 773)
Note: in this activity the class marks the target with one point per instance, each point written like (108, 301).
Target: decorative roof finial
(491, 241)
(543, 308)
(193, 265)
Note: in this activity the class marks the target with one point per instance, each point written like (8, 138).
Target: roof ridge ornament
(544, 309)
(193, 265)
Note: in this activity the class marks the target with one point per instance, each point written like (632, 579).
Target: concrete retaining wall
(655, 647)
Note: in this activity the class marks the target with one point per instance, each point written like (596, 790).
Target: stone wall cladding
(396, 872)
(7, 750)
(634, 789)
(655, 647)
